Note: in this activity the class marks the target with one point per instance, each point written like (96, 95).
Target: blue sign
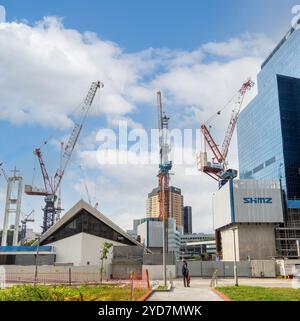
(258, 200)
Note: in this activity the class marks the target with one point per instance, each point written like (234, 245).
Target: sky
(197, 53)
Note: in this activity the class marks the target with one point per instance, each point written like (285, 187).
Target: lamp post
(36, 260)
(234, 251)
(164, 227)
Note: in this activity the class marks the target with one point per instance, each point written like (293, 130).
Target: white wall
(253, 212)
(248, 203)
(156, 271)
(82, 248)
(69, 249)
(221, 207)
(256, 241)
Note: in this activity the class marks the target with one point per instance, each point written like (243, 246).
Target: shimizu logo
(2, 14)
(257, 200)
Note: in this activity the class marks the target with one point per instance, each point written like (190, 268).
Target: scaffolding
(286, 236)
(12, 205)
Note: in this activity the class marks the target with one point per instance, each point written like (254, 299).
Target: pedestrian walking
(185, 274)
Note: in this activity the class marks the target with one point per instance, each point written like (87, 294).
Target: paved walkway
(200, 288)
(197, 292)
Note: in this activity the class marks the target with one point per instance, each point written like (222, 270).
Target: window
(270, 161)
(87, 223)
(258, 168)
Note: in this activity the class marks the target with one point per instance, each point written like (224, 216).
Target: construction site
(255, 209)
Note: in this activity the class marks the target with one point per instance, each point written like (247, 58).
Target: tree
(103, 256)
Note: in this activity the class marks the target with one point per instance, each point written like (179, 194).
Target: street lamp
(234, 251)
(36, 260)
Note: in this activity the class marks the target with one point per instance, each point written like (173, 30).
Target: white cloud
(46, 69)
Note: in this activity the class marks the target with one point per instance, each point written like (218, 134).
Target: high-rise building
(269, 133)
(187, 220)
(175, 204)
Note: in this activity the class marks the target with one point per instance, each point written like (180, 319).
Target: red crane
(52, 186)
(217, 168)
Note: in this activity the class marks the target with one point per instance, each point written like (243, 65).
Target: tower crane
(3, 172)
(26, 218)
(163, 177)
(217, 168)
(51, 186)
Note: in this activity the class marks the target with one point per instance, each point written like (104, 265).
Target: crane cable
(209, 120)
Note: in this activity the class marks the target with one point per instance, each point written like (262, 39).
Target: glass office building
(269, 127)
(268, 134)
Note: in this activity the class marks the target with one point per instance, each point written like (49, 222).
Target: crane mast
(52, 187)
(163, 176)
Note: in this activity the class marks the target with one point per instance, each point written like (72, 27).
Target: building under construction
(269, 135)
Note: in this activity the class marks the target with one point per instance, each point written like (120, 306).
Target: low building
(79, 235)
(245, 215)
(204, 250)
(194, 245)
(150, 232)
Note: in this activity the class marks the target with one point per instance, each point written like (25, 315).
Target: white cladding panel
(257, 201)
(221, 207)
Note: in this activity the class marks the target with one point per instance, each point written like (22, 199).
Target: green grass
(256, 293)
(162, 288)
(65, 293)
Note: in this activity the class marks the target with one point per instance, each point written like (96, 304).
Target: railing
(43, 248)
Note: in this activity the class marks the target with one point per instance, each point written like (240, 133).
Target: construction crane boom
(3, 172)
(247, 85)
(26, 218)
(67, 152)
(46, 178)
(212, 144)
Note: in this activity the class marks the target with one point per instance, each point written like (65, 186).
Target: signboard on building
(248, 201)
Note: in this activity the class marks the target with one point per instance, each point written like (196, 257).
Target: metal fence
(72, 277)
(224, 269)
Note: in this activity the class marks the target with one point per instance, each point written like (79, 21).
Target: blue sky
(138, 47)
(136, 24)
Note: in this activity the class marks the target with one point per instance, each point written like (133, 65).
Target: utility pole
(164, 232)
(235, 265)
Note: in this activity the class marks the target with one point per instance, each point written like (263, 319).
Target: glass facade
(84, 222)
(268, 129)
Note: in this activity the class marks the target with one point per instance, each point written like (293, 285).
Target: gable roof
(82, 205)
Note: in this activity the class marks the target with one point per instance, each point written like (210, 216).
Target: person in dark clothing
(185, 273)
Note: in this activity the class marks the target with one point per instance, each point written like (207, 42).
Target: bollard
(148, 279)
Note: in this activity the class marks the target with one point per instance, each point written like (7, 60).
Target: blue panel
(231, 201)
(43, 248)
(293, 204)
